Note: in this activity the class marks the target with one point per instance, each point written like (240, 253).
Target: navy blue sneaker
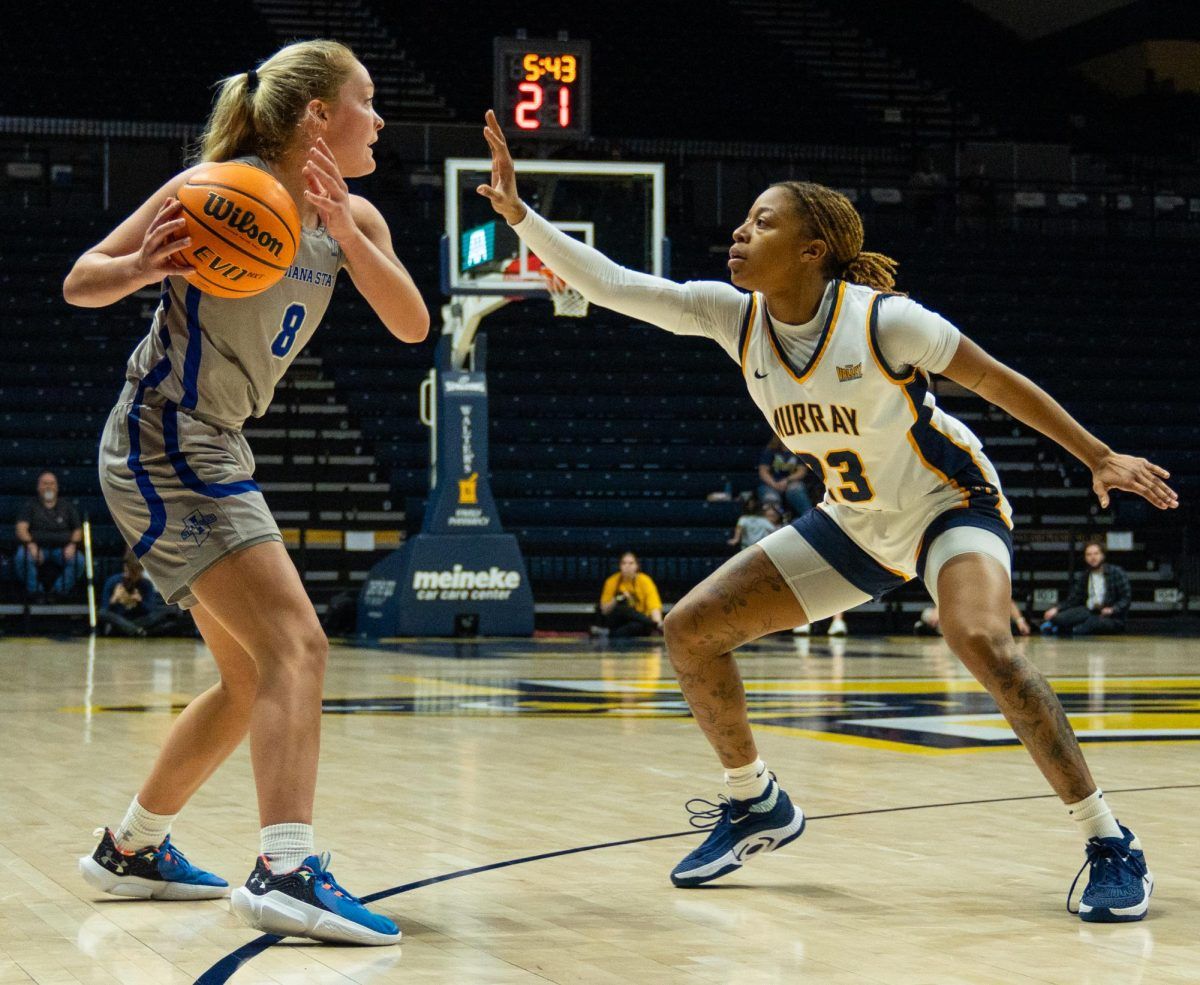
(308, 902)
(149, 873)
(1119, 884)
(740, 830)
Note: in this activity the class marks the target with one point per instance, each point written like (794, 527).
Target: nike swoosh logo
(759, 376)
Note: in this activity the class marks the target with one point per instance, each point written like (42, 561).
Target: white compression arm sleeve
(909, 334)
(708, 308)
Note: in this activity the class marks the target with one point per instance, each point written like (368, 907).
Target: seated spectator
(1097, 602)
(781, 477)
(930, 623)
(49, 532)
(629, 603)
(754, 524)
(131, 605)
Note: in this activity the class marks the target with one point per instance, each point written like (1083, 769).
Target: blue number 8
(293, 318)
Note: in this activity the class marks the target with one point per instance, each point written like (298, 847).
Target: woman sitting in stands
(629, 604)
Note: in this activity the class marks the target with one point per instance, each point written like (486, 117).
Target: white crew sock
(142, 829)
(287, 845)
(748, 782)
(1094, 818)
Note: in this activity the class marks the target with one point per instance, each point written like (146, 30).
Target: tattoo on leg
(1036, 715)
(719, 617)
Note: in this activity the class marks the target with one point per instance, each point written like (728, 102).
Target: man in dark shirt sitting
(49, 533)
(1097, 603)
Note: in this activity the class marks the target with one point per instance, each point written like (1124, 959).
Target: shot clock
(542, 87)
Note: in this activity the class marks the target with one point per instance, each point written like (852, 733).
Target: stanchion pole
(91, 583)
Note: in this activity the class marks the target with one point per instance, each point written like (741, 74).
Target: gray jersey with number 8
(219, 359)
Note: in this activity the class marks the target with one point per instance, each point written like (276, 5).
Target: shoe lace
(331, 883)
(1106, 862)
(169, 849)
(708, 815)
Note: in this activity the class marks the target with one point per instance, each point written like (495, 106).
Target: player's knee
(689, 640)
(241, 685)
(677, 636)
(980, 640)
(303, 653)
(314, 650)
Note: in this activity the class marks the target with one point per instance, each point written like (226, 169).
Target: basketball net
(568, 302)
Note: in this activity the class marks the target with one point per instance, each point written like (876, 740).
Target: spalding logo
(223, 210)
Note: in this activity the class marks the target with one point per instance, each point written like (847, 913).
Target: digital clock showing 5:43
(542, 87)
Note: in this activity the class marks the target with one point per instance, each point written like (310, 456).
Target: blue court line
(225, 969)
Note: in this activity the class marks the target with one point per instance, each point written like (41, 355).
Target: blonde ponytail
(264, 118)
(230, 131)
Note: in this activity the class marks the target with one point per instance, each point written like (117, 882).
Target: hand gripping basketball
(158, 257)
(502, 192)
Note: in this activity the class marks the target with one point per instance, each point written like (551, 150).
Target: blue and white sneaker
(1119, 884)
(308, 902)
(149, 873)
(740, 830)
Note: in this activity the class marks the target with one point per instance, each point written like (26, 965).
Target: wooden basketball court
(517, 806)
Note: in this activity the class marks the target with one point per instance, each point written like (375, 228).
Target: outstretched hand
(1135, 475)
(502, 192)
(327, 190)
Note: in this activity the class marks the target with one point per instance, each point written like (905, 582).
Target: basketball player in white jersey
(177, 476)
(840, 366)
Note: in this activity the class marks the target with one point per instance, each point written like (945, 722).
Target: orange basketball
(244, 226)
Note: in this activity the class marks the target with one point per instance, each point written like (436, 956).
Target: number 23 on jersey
(854, 487)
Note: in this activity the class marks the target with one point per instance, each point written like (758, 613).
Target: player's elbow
(75, 290)
(418, 326)
(412, 328)
(70, 291)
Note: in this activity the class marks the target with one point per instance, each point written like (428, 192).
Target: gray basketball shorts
(181, 491)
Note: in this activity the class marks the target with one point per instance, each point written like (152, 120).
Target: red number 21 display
(542, 87)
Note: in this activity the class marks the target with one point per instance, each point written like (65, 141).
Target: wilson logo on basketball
(223, 210)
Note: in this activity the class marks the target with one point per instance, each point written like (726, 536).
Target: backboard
(615, 206)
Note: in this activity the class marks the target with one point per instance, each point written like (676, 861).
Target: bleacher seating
(402, 91)
(886, 95)
(606, 434)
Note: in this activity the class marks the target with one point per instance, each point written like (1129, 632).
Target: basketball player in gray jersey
(177, 475)
(237, 367)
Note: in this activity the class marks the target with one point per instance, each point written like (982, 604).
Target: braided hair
(831, 216)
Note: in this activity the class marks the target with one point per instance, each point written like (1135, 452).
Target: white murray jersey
(877, 438)
(219, 359)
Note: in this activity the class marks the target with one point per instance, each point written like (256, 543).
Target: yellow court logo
(468, 489)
